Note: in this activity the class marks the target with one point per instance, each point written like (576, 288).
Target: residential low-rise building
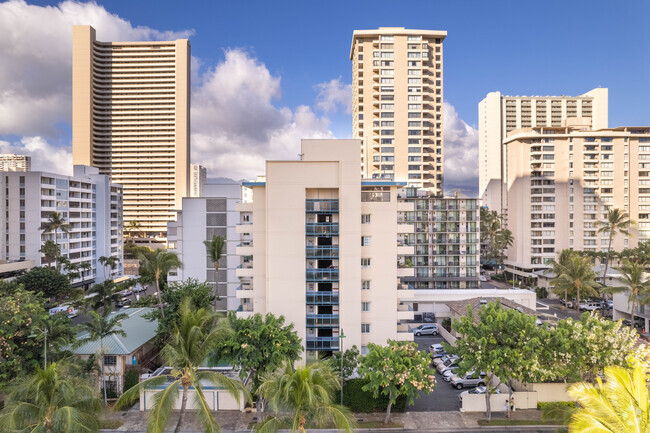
(202, 218)
(87, 200)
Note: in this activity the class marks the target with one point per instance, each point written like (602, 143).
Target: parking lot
(444, 397)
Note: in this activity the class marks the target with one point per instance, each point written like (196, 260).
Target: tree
(616, 222)
(577, 277)
(54, 223)
(50, 251)
(103, 295)
(306, 395)
(215, 248)
(102, 325)
(494, 236)
(51, 283)
(200, 296)
(133, 228)
(619, 405)
(195, 334)
(504, 343)
(558, 268)
(109, 262)
(397, 369)
(51, 402)
(259, 345)
(350, 362)
(156, 265)
(634, 283)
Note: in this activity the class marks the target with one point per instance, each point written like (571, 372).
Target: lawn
(498, 422)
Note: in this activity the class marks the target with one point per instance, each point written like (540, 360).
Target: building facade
(321, 249)
(130, 118)
(201, 218)
(561, 181)
(88, 201)
(397, 97)
(12, 162)
(499, 115)
(197, 180)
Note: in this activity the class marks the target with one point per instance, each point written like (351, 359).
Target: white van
(590, 306)
(71, 311)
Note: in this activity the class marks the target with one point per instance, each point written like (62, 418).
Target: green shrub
(446, 323)
(131, 379)
(358, 400)
(542, 404)
(541, 292)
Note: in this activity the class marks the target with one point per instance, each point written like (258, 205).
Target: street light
(44, 333)
(341, 337)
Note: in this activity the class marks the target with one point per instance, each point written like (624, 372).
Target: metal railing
(322, 229)
(322, 298)
(322, 320)
(330, 274)
(322, 252)
(322, 343)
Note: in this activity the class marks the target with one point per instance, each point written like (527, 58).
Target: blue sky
(517, 47)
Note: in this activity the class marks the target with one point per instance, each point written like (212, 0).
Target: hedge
(358, 400)
(542, 404)
(131, 379)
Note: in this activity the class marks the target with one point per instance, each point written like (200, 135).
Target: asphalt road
(443, 397)
(150, 290)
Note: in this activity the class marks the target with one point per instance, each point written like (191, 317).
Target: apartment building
(88, 201)
(198, 178)
(13, 162)
(499, 115)
(130, 118)
(562, 180)
(397, 104)
(202, 218)
(446, 240)
(319, 247)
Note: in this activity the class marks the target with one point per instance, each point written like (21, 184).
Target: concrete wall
(217, 399)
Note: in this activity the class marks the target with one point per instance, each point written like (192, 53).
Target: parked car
(477, 390)
(447, 375)
(608, 304)
(71, 311)
(435, 348)
(482, 278)
(139, 288)
(451, 362)
(123, 302)
(431, 329)
(469, 380)
(125, 292)
(438, 355)
(443, 359)
(590, 306)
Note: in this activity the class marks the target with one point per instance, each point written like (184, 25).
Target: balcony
(322, 229)
(322, 320)
(322, 275)
(244, 250)
(322, 252)
(405, 228)
(325, 343)
(322, 206)
(323, 298)
(244, 272)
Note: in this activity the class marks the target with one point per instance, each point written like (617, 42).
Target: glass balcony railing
(322, 229)
(322, 205)
(322, 343)
(322, 298)
(327, 275)
(322, 320)
(322, 252)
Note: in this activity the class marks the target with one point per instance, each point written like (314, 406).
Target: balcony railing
(316, 275)
(322, 298)
(322, 320)
(322, 206)
(322, 343)
(322, 229)
(322, 252)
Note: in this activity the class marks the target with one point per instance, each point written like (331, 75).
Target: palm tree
(215, 248)
(194, 336)
(620, 405)
(102, 295)
(504, 241)
(617, 221)
(632, 276)
(559, 267)
(109, 262)
(49, 402)
(101, 326)
(577, 277)
(50, 251)
(55, 223)
(306, 393)
(132, 228)
(157, 264)
(85, 267)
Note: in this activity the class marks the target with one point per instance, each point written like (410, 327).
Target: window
(414, 124)
(414, 115)
(415, 159)
(414, 167)
(415, 150)
(387, 81)
(365, 241)
(365, 328)
(388, 159)
(414, 141)
(414, 80)
(365, 306)
(365, 263)
(413, 38)
(388, 72)
(415, 72)
(387, 106)
(365, 285)
(387, 141)
(365, 219)
(414, 107)
(386, 37)
(110, 360)
(387, 123)
(387, 150)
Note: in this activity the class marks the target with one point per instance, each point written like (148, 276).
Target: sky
(266, 74)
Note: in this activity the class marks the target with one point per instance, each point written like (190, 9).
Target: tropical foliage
(494, 237)
(48, 281)
(155, 266)
(576, 278)
(635, 284)
(215, 248)
(616, 222)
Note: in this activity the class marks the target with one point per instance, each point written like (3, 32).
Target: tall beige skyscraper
(499, 115)
(131, 119)
(397, 104)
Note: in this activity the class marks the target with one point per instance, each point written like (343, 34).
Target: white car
(139, 288)
(442, 360)
(447, 375)
(483, 278)
(436, 348)
(72, 312)
(589, 306)
(477, 390)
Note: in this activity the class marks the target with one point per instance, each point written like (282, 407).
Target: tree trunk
(301, 423)
(181, 416)
(56, 244)
(488, 409)
(509, 397)
(633, 306)
(390, 404)
(566, 297)
(577, 306)
(101, 363)
(258, 407)
(609, 252)
(162, 312)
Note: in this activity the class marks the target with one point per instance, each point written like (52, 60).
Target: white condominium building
(130, 118)
(88, 201)
(202, 218)
(397, 104)
(319, 246)
(562, 180)
(499, 115)
(12, 162)
(198, 177)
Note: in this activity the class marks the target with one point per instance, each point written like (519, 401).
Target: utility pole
(341, 337)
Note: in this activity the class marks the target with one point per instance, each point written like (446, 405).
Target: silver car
(469, 380)
(431, 329)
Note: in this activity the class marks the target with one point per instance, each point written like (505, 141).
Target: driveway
(443, 398)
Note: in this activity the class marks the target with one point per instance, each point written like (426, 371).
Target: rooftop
(460, 307)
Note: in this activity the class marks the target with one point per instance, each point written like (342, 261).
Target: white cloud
(334, 95)
(36, 66)
(461, 153)
(45, 156)
(236, 127)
